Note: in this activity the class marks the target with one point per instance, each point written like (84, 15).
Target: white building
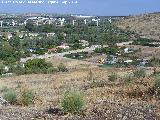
(126, 50)
(84, 42)
(128, 61)
(63, 46)
(33, 34)
(21, 35)
(50, 34)
(124, 43)
(9, 36)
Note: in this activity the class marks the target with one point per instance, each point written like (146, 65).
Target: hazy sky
(91, 7)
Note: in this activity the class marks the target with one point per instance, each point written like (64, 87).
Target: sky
(89, 7)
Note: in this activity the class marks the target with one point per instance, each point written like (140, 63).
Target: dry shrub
(113, 77)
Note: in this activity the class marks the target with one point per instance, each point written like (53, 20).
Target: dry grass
(145, 25)
(50, 88)
(1, 84)
(71, 63)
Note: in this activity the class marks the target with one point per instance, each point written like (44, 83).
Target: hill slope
(105, 99)
(146, 25)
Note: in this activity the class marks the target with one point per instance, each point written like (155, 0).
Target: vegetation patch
(23, 97)
(113, 77)
(62, 68)
(27, 97)
(128, 79)
(139, 73)
(73, 102)
(10, 96)
(96, 84)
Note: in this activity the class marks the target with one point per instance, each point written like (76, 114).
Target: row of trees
(112, 50)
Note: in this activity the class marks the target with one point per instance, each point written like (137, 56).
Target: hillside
(147, 25)
(105, 99)
(75, 81)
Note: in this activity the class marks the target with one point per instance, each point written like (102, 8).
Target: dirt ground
(104, 99)
(71, 63)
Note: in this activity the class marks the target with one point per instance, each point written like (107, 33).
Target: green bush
(2, 69)
(51, 70)
(10, 96)
(113, 77)
(18, 70)
(111, 50)
(27, 97)
(62, 68)
(73, 102)
(128, 79)
(37, 66)
(139, 73)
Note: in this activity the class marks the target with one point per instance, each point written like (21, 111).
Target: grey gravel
(105, 110)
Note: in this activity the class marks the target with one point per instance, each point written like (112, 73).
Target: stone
(3, 101)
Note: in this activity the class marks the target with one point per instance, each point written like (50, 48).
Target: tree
(15, 42)
(1, 69)
(61, 36)
(37, 65)
(47, 28)
(8, 54)
(29, 26)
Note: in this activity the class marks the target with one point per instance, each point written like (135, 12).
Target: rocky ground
(102, 111)
(105, 100)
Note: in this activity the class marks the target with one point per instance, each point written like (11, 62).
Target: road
(87, 49)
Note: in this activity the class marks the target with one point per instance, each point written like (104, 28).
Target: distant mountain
(147, 25)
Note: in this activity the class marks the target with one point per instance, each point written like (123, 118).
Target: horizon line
(143, 13)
